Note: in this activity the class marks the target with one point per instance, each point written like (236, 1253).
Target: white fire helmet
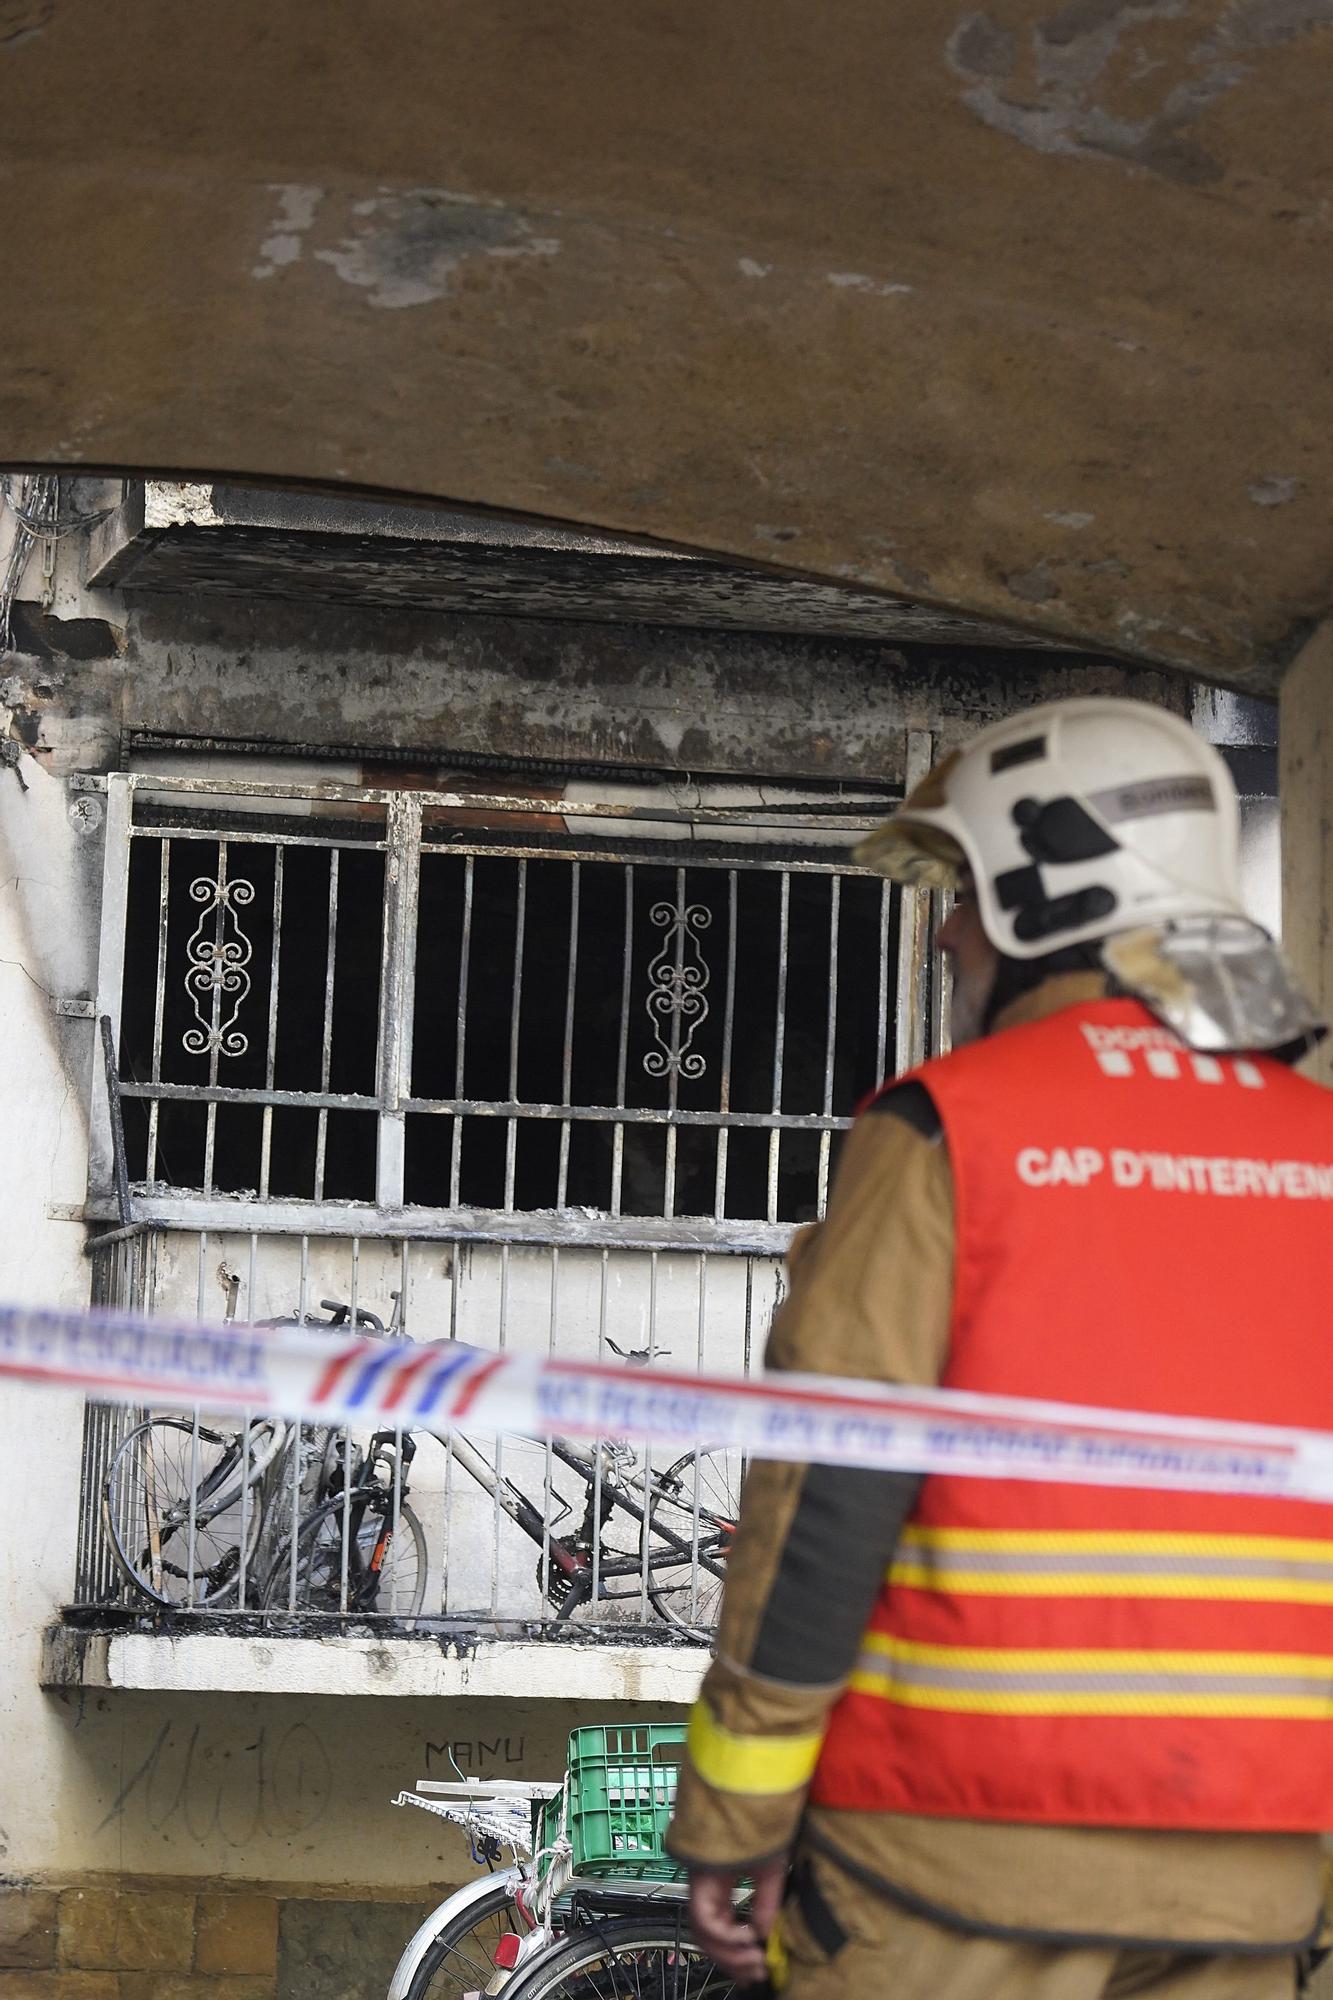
(1110, 821)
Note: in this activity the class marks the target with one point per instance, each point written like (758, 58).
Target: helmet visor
(912, 845)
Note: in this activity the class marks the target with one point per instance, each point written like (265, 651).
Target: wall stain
(21, 20)
(401, 247)
(1051, 88)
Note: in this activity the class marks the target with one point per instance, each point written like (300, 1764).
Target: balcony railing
(300, 1527)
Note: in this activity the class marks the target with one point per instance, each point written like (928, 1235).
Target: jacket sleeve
(869, 1297)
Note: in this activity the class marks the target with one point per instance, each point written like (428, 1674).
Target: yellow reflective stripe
(1108, 1583)
(1091, 1659)
(1083, 1541)
(979, 1701)
(917, 1675)
(756, 1766)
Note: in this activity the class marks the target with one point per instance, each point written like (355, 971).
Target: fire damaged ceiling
(251, 542)
(1017, 311)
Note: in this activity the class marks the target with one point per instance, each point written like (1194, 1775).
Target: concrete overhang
(421, 1667)
(204, 537)
(1019, 311)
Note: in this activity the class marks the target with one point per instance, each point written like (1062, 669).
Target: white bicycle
(568, 1917)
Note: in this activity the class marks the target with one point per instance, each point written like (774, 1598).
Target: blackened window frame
(411, 829)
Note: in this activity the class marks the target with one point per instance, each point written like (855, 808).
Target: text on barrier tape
(297, 1372)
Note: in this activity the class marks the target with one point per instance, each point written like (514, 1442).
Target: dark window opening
(251, 966)
(656, 989)
(621, 1030)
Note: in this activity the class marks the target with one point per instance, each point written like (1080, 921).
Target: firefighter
(979, 1738)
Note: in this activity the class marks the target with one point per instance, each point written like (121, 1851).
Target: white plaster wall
(1261, 862)
(44, 951)
(276, 1789)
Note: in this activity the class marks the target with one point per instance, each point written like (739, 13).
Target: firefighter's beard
(969, 1002)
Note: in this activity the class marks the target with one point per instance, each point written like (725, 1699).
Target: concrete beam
(342, 1664)
(1020, 311)
(1305, 788)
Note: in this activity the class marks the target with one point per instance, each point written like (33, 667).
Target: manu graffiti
(474, 1757)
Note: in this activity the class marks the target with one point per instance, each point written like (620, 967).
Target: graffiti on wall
(473, 1756)
(212, 1784)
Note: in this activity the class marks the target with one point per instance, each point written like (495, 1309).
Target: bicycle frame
(583, 1570)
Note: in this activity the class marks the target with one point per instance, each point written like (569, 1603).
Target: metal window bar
(567, 1055)
(345, 1511)
(548, 1466)
(831, 1039)
(464, 969)
(911, 1019)
(397, 1606)
(326, 1043)
(779, 1042)
(622, 1044)
(164, 891)
(515, 1018)
(598, 1491)
(728, 1026)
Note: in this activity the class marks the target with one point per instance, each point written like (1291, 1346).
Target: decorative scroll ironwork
(678, 979)
(217, 966)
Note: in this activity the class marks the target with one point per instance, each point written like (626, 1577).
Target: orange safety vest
(1145, 1229)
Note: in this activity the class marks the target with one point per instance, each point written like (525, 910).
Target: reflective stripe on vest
(1134, 1228)
(1019, 1680)
(991, 1562)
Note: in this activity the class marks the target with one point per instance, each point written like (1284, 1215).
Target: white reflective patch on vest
(1189, 1173)
(1175, 1173)
(1151, 1037)
(1062, 1166)
(1156, 1052)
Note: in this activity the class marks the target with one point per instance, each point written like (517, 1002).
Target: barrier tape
(298, 1372)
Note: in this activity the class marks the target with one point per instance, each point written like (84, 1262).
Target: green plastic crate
(622, 1786)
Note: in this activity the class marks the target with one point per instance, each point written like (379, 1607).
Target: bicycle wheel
(383, 1575)
(689, 1523)
(462, 1958)
(627, 1958)
(171, 1477)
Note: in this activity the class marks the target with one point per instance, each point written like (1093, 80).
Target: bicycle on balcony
(271, 1515)
(304, 1519)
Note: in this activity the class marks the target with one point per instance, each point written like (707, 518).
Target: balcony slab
(419, 1667)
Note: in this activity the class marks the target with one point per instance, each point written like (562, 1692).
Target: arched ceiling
(1020, 310)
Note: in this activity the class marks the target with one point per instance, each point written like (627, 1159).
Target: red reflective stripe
(463, 1403)
(407, 1375)
(333, 1373)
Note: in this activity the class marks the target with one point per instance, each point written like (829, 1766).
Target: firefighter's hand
(736, 1941)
